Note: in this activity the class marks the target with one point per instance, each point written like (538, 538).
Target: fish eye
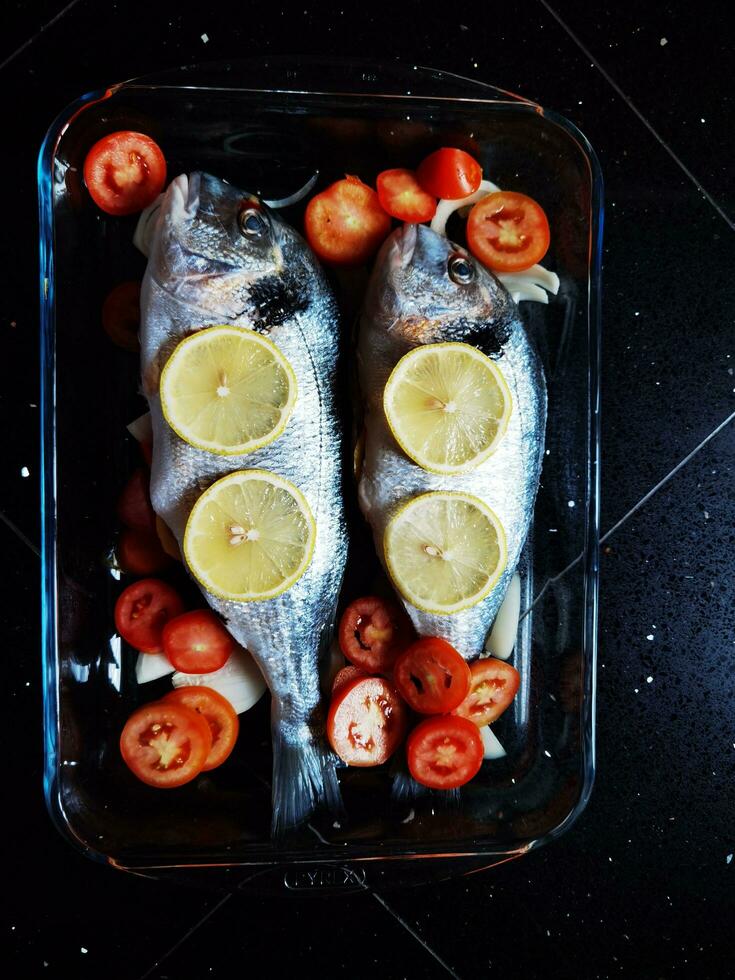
(461, 270)
(251, 223)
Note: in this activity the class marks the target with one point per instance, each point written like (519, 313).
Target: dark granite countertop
(643, 884)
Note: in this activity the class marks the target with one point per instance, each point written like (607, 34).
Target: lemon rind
(493, 581)
(243, 449)
(297, 494)
(480, 458)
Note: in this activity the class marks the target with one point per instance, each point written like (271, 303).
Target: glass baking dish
(266, 126)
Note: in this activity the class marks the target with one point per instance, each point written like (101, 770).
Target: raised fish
(426, 290)
(219, 256)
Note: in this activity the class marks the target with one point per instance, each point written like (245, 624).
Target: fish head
(221, 250)
(426, 289)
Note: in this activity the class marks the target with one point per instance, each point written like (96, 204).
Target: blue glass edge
(48, 474)
(47, 402)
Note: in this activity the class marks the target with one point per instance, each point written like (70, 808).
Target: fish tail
(304, 777)
(405, 789)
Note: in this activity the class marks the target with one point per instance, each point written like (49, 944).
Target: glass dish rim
(359, 854)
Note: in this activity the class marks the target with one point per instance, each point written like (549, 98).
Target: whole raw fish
(218, 256)
(426, 290)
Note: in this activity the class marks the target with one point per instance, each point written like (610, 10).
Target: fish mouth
(405, 240)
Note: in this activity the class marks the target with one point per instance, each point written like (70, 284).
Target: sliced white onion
(141, 429)
(297, 196)
(527, 284)
(151, 666)
(143, 234)
(240, 681)
(502, 637)
(445, 209)
(493, 748)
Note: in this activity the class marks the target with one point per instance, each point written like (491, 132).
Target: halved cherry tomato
(508, 232)
(134, 503)
(197, 642)
(432, 676)
(345, 676)
(449, 173)
(445, 752)
(402, 196)
(345, 223)
(494, 685)
(143, 609)
(165, 744)
(372, 632)
(124, 172)
(141, 553)
(121, 315)
(219, 715)
(366, 722)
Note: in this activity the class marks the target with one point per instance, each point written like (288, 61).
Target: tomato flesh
(450, 173)
(402, 196)
(134, 503)
(143, 609)
(124, 172)
(197, 642)
(345, 224)
(366, 722)
(431, 676)
(141, 553)
(372, 632)
(508, 232)
(445, 752)
(219, 714)
(493, 686)
(165, 744)
(121, 315)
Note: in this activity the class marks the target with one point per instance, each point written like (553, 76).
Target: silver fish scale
(285, 634)
(411, 301)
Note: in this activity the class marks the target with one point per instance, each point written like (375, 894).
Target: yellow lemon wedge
(250, 536)
(228, 390)
(447, 406)
(445, 551)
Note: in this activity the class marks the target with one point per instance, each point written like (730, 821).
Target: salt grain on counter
(649, 680)
(570, 503)
(728, 858)
(25, 471)
(411, 815)
(663, 42)
(205, 38)
(650, 636)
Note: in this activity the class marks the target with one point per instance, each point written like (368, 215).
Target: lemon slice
(228, 390)
(445, 551)
(249, 536)
(447, 406)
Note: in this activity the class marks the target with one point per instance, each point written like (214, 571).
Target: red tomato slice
(432, 677)
(143, 609)
(366, 722)
(402, 196)
(450, 173)
(345, 224)
(197, 642)
(508, 232)
(344, 676)
(124, 172)
(219, 715)
(121, 315)
(134, 503)
(445, 752)
(140, 553)
(372, 632)
(165, 744)
(494, 685)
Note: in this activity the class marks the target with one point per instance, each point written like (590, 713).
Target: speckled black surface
(642, 885)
